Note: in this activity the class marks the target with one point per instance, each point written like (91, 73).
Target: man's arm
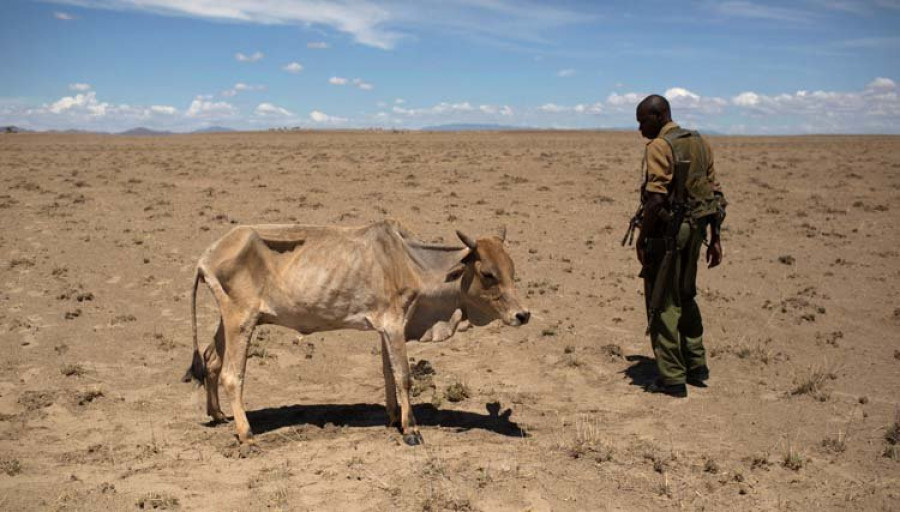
(714, 253)
(659, 176)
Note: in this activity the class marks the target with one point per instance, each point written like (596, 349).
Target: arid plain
(100, 235)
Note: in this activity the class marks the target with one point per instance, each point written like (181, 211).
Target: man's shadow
(375, 415)
(643, 372)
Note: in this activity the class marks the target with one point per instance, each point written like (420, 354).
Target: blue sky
(733, 66)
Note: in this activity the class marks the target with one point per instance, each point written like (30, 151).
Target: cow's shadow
(642, 372)
(375, 415)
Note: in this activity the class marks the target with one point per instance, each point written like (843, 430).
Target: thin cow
(371, 278)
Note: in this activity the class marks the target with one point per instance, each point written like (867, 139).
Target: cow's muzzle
(520, 318)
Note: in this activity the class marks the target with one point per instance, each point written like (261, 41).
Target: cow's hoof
(247, 450)
(216, 421)
(413, 439)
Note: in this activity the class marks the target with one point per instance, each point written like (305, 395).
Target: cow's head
(487, 282)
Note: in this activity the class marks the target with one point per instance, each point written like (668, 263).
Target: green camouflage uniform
(677, 331)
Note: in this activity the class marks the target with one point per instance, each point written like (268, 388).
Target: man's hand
(714, 253)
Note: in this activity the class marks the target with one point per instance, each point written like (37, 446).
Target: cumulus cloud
(241, 87)
(86, 102)
(268, 109)
(362, 84)
(321, 117)
(629, 99)
(552, 108)
(254, 57)
(683, 99)
(204, 107)
(336, 80)
(293, 67)
(63, 16)
(164, 109)
(318, 45)
(565, 73)
(80, 87)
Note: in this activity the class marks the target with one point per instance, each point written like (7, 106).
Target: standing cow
(317, 278)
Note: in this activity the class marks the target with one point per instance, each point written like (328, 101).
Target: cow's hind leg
(390, 388)
(238, 327)
(396, 344)
(213, 356)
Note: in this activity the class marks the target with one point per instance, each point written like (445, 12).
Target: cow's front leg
(238, 331)
(390, 389)
(214, 355)
(400, 364)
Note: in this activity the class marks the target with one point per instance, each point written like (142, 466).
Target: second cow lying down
(317, 278)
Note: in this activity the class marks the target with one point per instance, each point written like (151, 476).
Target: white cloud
(377, 24)
(871, 109)
(882, 83)
(318, 45)
(63, 16)
(683, 99)
(362, 85)
(753, 10)
(293, 67)
(254, 57)
(552, 108)
(268, 109)
(593, 108)
(399, 101)
(336, 80)
(321, 117)
(202, 106)
(164, 109)
(80, 87)
(565, 73)
(629, 99)
(241, 87)
(86, 102)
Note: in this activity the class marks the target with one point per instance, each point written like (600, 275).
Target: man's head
(652, 114)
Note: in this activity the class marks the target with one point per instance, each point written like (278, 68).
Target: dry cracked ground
(100, 235)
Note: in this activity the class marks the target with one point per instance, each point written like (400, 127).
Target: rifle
(665, 272)
(632, 224)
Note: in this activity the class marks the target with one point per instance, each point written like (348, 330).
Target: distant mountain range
(134, 132)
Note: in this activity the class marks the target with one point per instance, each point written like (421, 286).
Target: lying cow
(316, 278)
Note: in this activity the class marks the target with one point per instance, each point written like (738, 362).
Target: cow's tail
(197, 370)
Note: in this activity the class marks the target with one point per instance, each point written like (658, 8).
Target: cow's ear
(470, 242)
(455, 273)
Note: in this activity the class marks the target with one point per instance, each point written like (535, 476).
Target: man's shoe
(698, 377)
(673, 390)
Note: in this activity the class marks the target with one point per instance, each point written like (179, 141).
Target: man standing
(680, 198)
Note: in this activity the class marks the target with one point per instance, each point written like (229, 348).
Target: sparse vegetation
(892, 439)
(813, 384)
(11, 467)
(157, 501)
(586, 440)
(72, 370)
(457, 392)
(792, 459)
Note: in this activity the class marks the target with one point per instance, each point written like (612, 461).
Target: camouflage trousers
(677, 331)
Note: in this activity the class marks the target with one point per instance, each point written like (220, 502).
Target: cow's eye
(488, 276)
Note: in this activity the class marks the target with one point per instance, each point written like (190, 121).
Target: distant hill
(214, 129)
(143, 132)
(13, 129)
(463, 127)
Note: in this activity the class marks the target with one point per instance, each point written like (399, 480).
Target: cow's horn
(466, 240)
(502, 234)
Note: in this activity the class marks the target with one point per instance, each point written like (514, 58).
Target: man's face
(650, 124)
